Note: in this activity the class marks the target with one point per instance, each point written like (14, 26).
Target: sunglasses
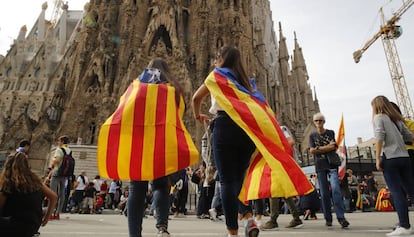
(318, 120)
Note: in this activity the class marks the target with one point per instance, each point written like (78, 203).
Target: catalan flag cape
(272, 171)
(383, 202)
(359, 202)
(145, 138)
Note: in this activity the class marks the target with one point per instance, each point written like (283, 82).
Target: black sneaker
(295, 224)
(328, 223)
(344, 223)
(269, 225)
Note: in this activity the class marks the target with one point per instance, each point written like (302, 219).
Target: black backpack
(67, 166)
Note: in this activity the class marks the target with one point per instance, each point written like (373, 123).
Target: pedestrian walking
(232, 147)
(157, 138)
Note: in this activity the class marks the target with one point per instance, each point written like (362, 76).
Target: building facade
(66, 75)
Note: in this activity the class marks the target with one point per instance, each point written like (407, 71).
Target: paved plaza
(363, 224)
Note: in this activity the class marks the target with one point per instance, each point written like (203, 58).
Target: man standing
(57, 182)
(321, 143)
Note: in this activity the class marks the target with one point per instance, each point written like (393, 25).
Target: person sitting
(21, 195)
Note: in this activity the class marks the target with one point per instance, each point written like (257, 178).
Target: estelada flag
(272, 171)
(340, 139)
(145, 138)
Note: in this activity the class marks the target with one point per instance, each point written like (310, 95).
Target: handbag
(333, 158)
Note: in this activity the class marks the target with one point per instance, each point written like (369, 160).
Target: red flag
(272, 171)
(145, 138)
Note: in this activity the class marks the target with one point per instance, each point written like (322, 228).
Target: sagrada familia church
(65, 75)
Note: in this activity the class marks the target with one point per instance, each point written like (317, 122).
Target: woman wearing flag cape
(252, 156)
(232, 147)
(145, 139)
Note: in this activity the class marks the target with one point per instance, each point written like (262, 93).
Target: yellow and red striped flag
(340, 140)
(341, 131)
(145, 138)
(272, 172)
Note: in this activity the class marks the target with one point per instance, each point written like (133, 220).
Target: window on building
(37, 72)
(8, 72)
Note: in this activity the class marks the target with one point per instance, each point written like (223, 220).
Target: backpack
(67, 166)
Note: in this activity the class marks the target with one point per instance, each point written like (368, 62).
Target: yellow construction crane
(388, 32)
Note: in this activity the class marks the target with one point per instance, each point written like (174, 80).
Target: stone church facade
(66, 77)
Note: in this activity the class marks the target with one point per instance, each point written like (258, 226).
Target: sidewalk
(363, 224)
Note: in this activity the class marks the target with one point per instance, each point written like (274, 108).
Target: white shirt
(214, 106)
(113, 187)
(81, 185)
(97, 184)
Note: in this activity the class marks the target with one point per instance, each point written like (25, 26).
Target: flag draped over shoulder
(341, 148)
(272, 171)
(145, 138)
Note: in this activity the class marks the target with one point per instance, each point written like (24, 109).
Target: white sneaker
(258, 223)
(213, 214)
(400, 231)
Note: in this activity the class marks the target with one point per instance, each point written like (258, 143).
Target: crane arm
(386, 27)
(396, 16)
(358, 54)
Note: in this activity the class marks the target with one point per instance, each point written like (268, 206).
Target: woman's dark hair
(24, 143)
(166, 75)
(396, 107)
(17, 175)
(232, 60)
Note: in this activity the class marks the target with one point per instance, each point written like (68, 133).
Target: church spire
(283, 51)
(298, 59)
(316, 102)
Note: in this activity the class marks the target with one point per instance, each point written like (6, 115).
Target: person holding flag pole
(321, 143)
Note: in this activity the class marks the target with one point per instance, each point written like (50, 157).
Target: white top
(214, 106)
(113, 187)
(81, 185)
(97, 184)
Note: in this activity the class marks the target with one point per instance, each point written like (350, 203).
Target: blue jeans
(232, 149)
(398, 176)
(347, 202)
(136, 204)
(325, 193)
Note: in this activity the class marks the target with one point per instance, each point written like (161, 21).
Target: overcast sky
(328, 31)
